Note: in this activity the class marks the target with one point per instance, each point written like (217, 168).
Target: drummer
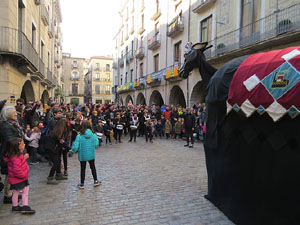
(134, 122)
(118, 127)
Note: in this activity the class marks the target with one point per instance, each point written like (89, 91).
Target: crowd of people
(51, 132)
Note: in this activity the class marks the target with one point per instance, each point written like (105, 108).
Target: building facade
(30, 50)
(99, 80)
(150, 43)
(74, 84)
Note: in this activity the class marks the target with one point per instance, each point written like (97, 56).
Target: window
(75, 75)
(33, 37)
(97, 89)
(141, 69)
(132, 46)
(75, 89)
(126, 75)
(97, 76)
(157, 6)
(250, 14)
(142, 19)
(206, 29)
(107, 89)
(177, 52)
(156, 63)
(131, 75)
(107, 77)
(98, 101)
(75, 64)
(132, 24)
(107, 67)
(42, 50)
(156, 28)
(97, 66)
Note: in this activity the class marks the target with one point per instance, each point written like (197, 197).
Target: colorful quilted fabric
(267, 82)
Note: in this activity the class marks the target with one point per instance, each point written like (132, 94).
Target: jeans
(54, 157)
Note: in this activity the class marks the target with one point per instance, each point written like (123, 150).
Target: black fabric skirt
(19, 186)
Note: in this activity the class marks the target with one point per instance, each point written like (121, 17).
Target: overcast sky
(89, 26)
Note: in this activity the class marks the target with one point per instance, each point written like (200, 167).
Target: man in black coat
(189, 125)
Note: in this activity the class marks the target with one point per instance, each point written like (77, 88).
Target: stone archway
(140, 100)
(128, 98)
(156, 98)
(45, 97)
(177, 97)
(27, 92)
(198, 93)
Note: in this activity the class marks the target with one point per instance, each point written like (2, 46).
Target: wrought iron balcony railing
(15, 42)
(154, 42)
(175, 27)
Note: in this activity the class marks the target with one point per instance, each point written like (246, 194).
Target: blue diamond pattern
(260, 110)
(290, 78)
(293, 111)
(236, 107)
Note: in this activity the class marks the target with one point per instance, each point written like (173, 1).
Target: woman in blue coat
(85, 144)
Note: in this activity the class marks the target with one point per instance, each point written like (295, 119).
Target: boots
(60, 176)
(52, 180)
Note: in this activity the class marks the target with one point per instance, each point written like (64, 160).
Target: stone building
(99, 80)
(30, 50)
(150, 42)
(74, 84)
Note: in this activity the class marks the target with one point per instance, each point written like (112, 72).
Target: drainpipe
(187, 81)
(39, 45)
(167, 38)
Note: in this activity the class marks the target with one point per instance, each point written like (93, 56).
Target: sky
(89, 26)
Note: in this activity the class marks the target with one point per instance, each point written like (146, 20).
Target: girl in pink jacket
(18, 174)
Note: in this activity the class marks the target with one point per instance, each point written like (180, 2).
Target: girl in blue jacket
(85, 143)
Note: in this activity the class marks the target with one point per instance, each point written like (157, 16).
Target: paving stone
(159, 183)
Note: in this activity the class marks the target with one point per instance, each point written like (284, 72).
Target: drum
(120, 127)
(132, 127)
(99, 135)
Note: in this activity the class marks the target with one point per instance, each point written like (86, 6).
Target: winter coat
(7, 131)
(85, 145)
(33, 140)
(17, 169)
(189, 121)
(167, 114)
(168, 127)
(178, 127)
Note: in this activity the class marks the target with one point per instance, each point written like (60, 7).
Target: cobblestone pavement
(155, 183)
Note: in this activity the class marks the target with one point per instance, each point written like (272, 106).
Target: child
(178, 128)
(168, 127)
(41, 126)
(148, 130)
(85, 144)
(18, 174)
(107, 131)
(75, 128)
(33, 144)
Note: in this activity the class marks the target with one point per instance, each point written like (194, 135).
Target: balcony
(44, 15)
(172, 74)
(156, 15)
(126, 87)
(121, 61)
(140, 83)
(140, 53)
(141, 30)
(115, 65)
(154, 42)
(40, 74)
(130, 56)
(201, 5)
(154, 79)
(74, 78)
(97, 79)
(280, 27)
(50, 79)
(98, 69)
(51, 31)
(74, 66)
(15, 44)
(175, 27)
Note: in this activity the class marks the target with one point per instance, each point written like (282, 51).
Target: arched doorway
(177, 97)
(140, 100)
(45, 97)
(27, 92)
(121, 100)
(198, 93)
(128, 98)
(156, 98)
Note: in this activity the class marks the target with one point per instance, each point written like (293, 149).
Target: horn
(200, 45)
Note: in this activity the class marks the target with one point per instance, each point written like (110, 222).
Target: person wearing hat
(189, 125)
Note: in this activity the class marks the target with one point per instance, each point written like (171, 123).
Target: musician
(118, 127)
(134, 123)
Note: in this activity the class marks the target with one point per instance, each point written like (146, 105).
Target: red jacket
(167, 114)
(17, 169)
